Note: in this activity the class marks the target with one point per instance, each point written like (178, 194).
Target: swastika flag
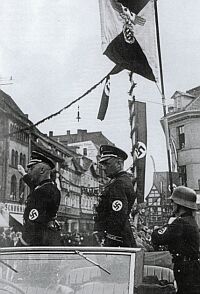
(104, 99)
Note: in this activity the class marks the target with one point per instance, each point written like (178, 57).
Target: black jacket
(41, 207)
(114, 208)
(182, 238)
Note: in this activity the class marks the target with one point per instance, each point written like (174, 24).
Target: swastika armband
(162, 231)
(33, 214)
(117, 205)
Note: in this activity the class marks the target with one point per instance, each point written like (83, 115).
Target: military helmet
(184, 196)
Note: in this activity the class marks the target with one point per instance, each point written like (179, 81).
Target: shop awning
(3, 222)
(17, 217)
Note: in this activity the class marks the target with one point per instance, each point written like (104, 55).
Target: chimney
(50, 133)
(68, 132)
(81, 134)
(79, 131)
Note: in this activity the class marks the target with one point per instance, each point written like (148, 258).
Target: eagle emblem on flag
(130, 20)
(129, 35)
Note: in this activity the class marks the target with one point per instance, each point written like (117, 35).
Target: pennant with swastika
(104, 99)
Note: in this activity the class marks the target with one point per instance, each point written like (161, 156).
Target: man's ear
(120, 162)
(42, 170)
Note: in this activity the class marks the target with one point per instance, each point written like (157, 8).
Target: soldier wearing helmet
(181, 235)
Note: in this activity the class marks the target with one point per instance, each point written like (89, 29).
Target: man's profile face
(34, 172)
(174, 207)
(111, 166)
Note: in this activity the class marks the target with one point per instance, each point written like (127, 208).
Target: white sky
(52, 49)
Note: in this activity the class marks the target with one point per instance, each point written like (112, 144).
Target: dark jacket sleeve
(168, 233)
(53, 197)
(28, 181)
(118, 208)
(101, 214)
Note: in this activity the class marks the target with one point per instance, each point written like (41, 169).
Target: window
(21, 190)
(179, 102)
(24, 161)
(181, 137)
(16, 158)
(13, 158)
(21, 159)
(85, 151)
(13, 188)
(183, 175)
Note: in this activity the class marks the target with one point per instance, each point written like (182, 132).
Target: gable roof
(161, 182)
(9, 105)
(194, 105)
(194, 91)
(82, 136)
(179, 93)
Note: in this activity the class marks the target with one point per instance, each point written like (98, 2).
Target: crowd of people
(142, 237)
(77, 239)
(8, 237)
(113, 227)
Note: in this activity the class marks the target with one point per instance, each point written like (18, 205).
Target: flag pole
(163, 96)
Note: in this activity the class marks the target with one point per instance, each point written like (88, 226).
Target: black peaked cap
(37, 157)
(108, 151)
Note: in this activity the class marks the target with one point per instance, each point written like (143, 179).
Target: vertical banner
(138, 136)
(104, 99)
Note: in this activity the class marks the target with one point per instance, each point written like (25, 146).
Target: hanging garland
(61, 110)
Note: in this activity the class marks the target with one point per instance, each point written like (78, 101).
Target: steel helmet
(185, 196)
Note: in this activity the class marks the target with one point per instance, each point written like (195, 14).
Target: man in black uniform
(181, 234)
(40, 226)
(112, 214)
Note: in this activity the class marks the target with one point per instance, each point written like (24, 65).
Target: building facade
(184, 127)
(93, 178)
(78, 177)
(158, 206)
(14, 150)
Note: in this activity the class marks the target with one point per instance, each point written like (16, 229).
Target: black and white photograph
(99, 147)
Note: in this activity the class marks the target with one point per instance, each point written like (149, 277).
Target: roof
(82, 135)
(161, 182)
(194, 105)
(9, 105)
(86, 163)
(194, 91)
(179, 93)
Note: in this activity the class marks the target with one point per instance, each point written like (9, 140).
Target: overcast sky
(52, 49)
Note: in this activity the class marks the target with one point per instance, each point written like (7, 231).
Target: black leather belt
(114, 237)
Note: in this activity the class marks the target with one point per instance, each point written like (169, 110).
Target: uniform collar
(186, 214)
(43, 183)
(120, 173)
